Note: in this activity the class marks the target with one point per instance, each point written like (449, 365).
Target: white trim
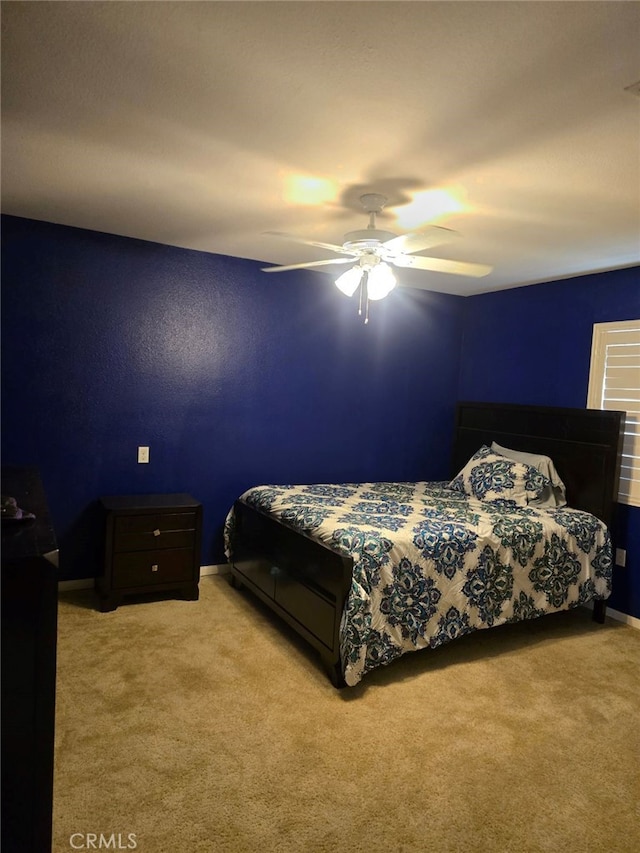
(624, 617)
(631, 621)
(69, 586)
(88, 583)
(219, 569)
(607, 390)
(223, 569)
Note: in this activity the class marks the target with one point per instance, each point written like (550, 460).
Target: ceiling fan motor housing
(367, 238)
(373, 202)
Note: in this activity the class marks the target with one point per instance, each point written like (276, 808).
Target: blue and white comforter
(431, 564)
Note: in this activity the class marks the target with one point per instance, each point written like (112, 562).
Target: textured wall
(231, 377)
(234, 378)
(533, 345)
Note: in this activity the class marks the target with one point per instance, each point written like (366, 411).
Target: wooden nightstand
(152, 544)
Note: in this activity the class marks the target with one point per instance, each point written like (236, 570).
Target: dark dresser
(29, 628)
(151, 544)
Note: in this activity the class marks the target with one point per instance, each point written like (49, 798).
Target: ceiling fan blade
(308, 265)
(443, 265)
(415, 241)
(333, 247)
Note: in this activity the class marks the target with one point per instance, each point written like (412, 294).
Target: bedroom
(112, 341)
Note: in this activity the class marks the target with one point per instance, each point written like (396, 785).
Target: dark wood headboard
(584, 444)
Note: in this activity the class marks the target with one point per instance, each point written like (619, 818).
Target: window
(614, 383)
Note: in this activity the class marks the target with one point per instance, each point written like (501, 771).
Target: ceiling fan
(375, 251)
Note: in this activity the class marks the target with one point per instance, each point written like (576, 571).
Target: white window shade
(614, 383)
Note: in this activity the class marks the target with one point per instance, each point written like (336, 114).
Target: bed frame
(307, 584)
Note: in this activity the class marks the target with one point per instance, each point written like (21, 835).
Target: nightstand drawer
(144, 532)
(146, 568)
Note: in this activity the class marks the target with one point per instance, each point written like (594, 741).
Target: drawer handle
(156, 532)
(154, 567)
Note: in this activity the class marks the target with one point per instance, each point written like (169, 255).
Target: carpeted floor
(208, 726)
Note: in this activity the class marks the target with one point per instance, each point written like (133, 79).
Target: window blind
(614, 383)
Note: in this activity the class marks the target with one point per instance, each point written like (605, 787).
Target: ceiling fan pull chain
(365, 293)
(361, 295)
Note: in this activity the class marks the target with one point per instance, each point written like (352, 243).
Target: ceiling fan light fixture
(349, 281)
(380, 281)
(372, 252)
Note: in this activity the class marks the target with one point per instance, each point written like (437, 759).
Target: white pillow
(555, 494)
(488, 476)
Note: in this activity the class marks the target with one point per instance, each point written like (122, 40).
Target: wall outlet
(143, 454)
(621, 557)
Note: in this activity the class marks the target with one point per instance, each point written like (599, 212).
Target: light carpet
(209, 726)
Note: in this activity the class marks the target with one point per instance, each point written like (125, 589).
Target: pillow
(555, 494)
(488, 476)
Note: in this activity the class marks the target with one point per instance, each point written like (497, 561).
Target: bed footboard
(304, 582)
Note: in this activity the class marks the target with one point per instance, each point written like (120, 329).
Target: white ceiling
(205, 124)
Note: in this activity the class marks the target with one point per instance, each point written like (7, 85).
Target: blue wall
(234, 378)
(533, 345)
(231, 377)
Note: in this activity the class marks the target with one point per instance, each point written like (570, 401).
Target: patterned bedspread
(431, 564)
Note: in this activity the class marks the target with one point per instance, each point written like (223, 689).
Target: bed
(366, 572)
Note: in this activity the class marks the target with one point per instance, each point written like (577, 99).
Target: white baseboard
(618, 616)
(624, 617)
(220, 569)
(223, 569)
(88, 583)
(70, 586)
